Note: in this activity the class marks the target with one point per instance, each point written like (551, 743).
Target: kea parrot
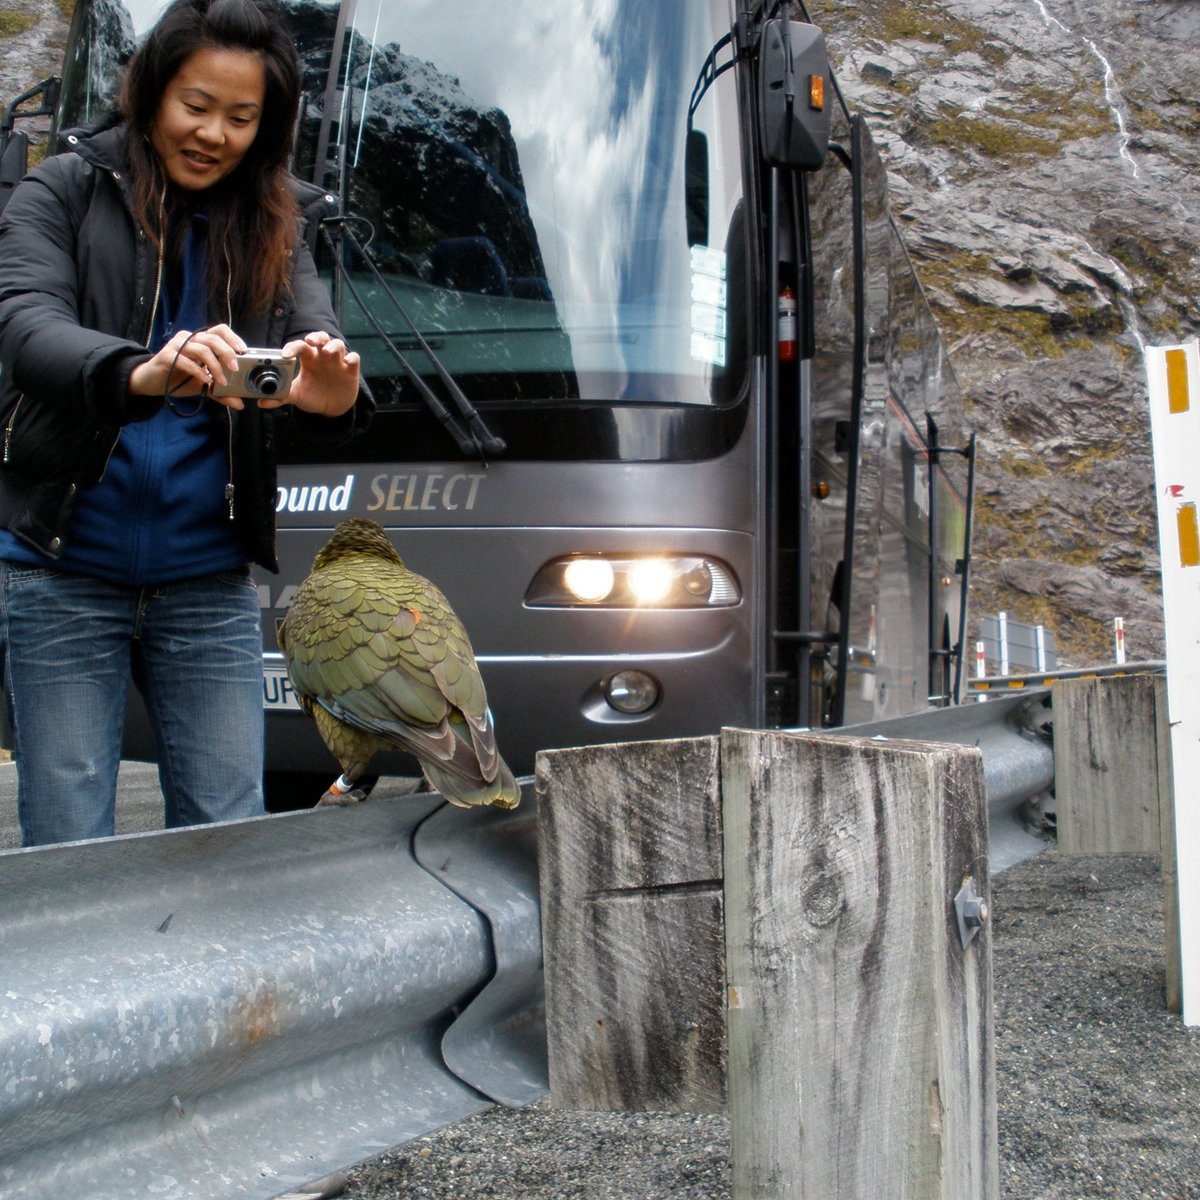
(379, 660)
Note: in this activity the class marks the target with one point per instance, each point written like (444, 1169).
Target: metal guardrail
(498, 1043)
(1000, 684)
(235, 1010)
(1014, 735)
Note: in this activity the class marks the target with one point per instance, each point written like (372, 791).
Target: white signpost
(1173, 374)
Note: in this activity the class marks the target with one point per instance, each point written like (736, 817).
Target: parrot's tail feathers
(433, 741)
(509, 793)
(481, 733)
(500, 792)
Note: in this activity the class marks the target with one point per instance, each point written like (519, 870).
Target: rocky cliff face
(33, 35)
(1044, 158)
(1044, 167)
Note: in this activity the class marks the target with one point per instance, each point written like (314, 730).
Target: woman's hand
(327, 381)
(189, 363)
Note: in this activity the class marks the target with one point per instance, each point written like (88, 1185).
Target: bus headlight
(589, 579)
(650, 581)
(634, 581)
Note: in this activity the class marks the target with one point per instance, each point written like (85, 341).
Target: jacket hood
(101, 142)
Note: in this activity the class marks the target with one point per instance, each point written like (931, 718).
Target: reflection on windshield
(517, 172)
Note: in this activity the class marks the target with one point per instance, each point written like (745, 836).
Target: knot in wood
(824, 900)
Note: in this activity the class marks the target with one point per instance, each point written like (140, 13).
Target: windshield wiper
(475, 438)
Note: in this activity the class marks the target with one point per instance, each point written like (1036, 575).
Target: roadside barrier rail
(1014, 734)
(984, 687)
(236, 1010)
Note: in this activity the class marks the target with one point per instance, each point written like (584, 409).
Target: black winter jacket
(78, 283)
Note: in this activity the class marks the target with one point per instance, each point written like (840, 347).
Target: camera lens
(265, 380)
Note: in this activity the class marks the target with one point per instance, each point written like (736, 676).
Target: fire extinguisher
(787, 324)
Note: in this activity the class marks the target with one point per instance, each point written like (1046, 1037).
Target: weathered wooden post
(1110, 763)
(1114, 785)
(629, 850)
(859, 1057)
(859, 968)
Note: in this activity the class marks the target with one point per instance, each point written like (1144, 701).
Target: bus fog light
(631, 691)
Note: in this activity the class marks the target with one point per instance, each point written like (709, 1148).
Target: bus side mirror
(695, 186)
(795, 95)
(14, 162)
(14, 144)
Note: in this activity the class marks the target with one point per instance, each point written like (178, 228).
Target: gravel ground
(1098, 1084)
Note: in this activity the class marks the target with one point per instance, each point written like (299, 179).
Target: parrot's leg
(342, 790)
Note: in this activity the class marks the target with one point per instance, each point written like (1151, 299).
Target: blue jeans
(194, 650)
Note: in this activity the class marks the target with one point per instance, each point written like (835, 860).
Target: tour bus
(662, 407)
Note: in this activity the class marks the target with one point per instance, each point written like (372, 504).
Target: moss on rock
(13, 23)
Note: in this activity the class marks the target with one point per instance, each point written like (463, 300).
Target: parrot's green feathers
(379, 659)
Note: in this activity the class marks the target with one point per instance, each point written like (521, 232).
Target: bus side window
(696, 187)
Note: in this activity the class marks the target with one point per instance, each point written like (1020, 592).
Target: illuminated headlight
(634, 581)
(589, 579)
(651, 581)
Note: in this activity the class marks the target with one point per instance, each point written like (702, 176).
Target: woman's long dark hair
(252, 214)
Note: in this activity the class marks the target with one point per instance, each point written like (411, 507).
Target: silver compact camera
(264, 374)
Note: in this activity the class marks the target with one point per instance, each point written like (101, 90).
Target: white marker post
(1119, 639)
(1173, 374)
(1002, 637)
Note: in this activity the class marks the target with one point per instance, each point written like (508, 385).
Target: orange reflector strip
(1189, 535)
(816, 92)
(1177, 382)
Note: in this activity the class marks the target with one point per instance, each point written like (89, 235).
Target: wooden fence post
(629, 852)
(861, 1055)
(1114, 785)
(1173, 948)
(1107, 771)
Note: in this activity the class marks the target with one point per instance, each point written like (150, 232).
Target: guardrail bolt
(972, 911)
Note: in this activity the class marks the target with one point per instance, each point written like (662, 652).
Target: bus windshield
(519, 173)
(528, 183)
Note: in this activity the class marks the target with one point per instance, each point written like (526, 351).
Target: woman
(132, 498)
